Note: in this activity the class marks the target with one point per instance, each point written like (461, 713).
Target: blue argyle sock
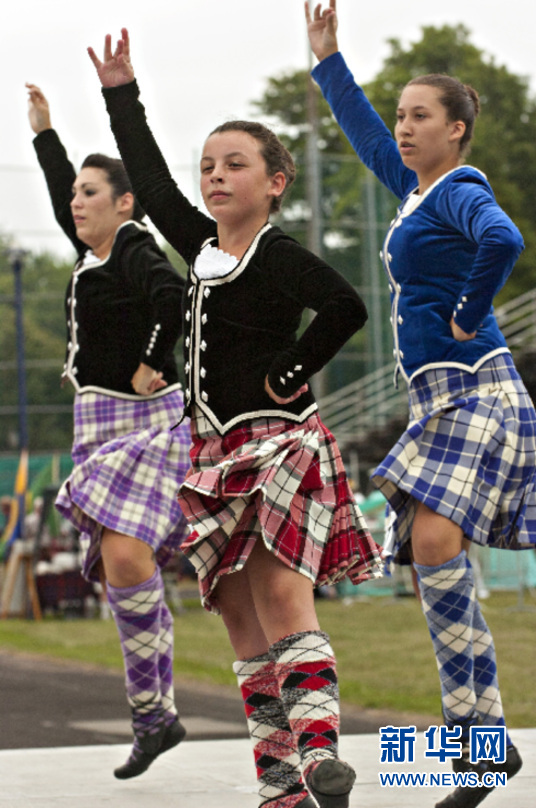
(488, 695)
(448, 599)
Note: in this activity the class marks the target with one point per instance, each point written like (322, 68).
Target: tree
(44, 281)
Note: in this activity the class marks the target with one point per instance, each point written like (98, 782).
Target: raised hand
(38, 109)
(116, 68)
(322, 29)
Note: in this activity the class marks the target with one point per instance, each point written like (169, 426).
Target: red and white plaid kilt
(281, 482)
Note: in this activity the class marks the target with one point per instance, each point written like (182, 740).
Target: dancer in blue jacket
(464, 470)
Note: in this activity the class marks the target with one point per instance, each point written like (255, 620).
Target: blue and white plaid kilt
(468, 453)
(129, 465)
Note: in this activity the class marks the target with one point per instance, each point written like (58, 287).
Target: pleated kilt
(279, 482)
(128, 468)
(469, 453)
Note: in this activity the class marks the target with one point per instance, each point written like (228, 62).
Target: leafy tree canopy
(44, 280)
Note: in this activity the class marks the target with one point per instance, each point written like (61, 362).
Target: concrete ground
(64, 728)
(214, 774)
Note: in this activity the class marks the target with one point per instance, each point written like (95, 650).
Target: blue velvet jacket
(447, 252)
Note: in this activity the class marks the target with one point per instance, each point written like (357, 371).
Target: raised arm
(59, 173)
(322, 29)
(181, 224)
(38, 109)
(116, 68)
(370, 138)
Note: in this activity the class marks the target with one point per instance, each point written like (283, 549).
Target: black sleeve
(60, 176)
(340, 312)
(182, 225)
(160, 287)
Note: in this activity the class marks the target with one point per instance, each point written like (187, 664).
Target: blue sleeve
(367, 133)
(467, 203)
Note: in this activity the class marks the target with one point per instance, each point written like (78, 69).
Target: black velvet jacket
(242, 327)
(120, 311)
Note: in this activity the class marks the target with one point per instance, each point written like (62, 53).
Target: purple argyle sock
(165, 663)
(137, 613)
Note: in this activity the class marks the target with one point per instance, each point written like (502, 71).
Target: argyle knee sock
(276, 758)
(136, 611)
(448, 598)
(305, 669)
(488, 695)
(165, 663)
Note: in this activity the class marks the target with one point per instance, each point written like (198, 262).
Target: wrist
(326, 53)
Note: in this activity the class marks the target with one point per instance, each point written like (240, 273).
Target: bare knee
(284, 598)
(434, 538)
(239, 615)
(126, 561)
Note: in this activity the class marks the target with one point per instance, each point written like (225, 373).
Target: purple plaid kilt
(129, 465)
(469, 453)
(281, 482)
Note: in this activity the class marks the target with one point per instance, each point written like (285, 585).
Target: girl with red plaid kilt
(122, 307)
(267, 497)
(465, 469)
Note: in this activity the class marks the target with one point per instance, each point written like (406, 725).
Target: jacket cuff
(286, 377)
(118, 98)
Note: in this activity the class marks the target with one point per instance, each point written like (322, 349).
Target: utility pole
(313, 183)
(16, 258)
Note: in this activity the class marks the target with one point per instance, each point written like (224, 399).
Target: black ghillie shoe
(173, 735)
(330, 783)
(471, 796)
(147, 748)
(307, 802)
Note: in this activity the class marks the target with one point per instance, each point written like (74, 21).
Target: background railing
(372, 401)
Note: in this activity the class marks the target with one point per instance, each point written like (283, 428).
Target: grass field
(384, 653)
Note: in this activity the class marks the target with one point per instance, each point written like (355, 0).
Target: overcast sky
(198, 63)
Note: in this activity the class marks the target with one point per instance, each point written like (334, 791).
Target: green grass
(384, 653)
(385, 656)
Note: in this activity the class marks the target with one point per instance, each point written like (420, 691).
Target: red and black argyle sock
(276, 758)
(305, 670)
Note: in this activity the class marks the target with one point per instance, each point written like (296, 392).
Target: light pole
(313, 182)
(16, 258)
